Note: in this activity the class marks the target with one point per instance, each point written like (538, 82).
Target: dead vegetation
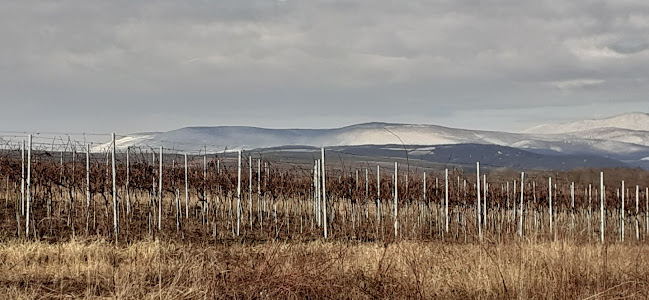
(280, 253)
(407, 269)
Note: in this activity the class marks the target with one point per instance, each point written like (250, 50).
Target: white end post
(324, 193)
(550, 202)
(479, 209)
(115, 217)
(601, 206)
(446, 199)
(186, 189)
(29, 185)
(239, 192)
(160, 193)
(396, 220)
(520, 206)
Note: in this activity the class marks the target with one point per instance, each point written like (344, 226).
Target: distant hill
(619, 141)
(627, 128)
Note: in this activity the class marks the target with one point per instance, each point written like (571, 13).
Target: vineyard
(135, 194)
(132, 197)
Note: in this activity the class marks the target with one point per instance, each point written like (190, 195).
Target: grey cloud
(350, 60)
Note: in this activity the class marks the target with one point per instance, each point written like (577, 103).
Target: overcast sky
(130, 66)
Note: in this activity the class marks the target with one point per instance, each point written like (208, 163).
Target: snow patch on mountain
(629, 121)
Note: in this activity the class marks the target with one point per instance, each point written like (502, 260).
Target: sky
(131, 66)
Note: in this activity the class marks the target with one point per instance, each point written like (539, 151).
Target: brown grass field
(315, 270)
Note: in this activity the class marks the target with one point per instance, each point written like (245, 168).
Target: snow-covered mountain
(618, 138)
(631, 128)
(630, 121)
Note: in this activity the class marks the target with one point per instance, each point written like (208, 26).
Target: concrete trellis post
(22, 179)
(87, 188)
(550, 202)
(622, 213)
(590, 210)
(479, 210)
(378, 194)
(396, 220)
(446, 199)
(160, 175)
(186, 189)
(206, 206)
(637, 212)
(259, 192)
(324, 193)
(484, 200)
(535, 207)
(316, 192)
(424, 189)
(356, 182)
(239, 193)
(520, 207)
(601, 205)
(464, 189)
(179, 210)
(572, 205)
(128, 179)
(29, 186)
(250, 189)
(367, 186)
(115, 216)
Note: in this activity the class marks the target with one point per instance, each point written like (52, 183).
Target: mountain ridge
(623, 145)
(635, 121)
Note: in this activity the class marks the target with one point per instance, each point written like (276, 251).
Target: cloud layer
(157, 65)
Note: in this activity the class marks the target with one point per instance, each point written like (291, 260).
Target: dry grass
(168, 270)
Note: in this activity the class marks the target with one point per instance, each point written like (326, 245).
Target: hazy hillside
(583, 143)
(630, 121)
